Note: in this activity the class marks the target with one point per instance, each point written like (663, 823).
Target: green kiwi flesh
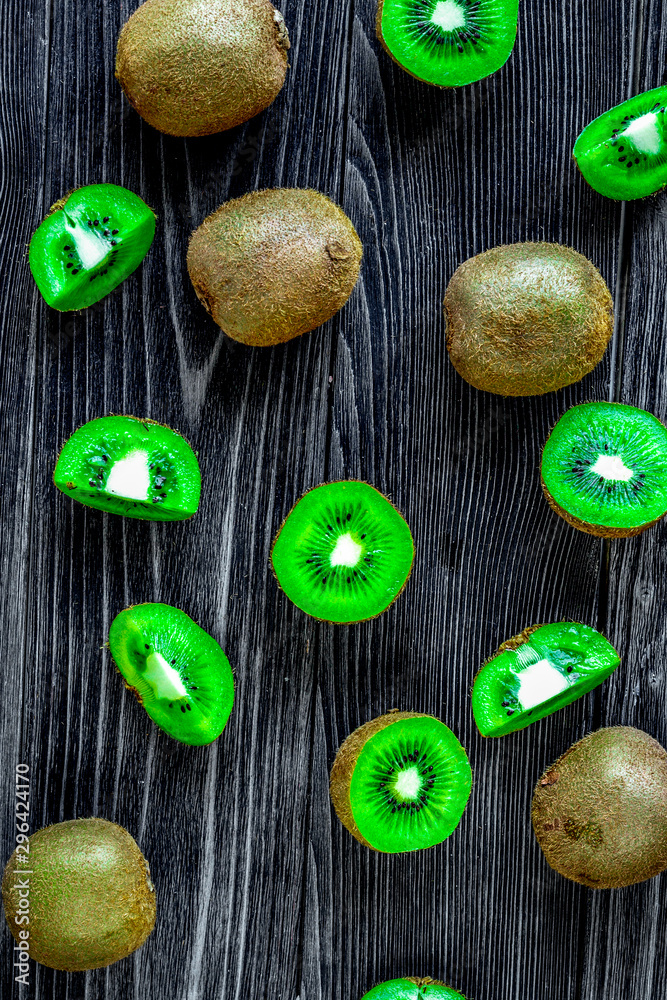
(344, 553)
(600, 812)
(448, 43)
(537, 672)
(90, 899)
(129, 466)
(527, 318)
(89, 243)
(274, 264)
(401, 782)
(177, 671)
(191, 68)
(604, 469)
(412, 989)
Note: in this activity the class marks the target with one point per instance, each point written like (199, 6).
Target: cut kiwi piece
(177, 671)
(448, 43)
(537, 672)
(130, 466)
(344, 553)
(90, 241)
(401, 782)
(604, 469)
(83, 891)
(412, 989)
(600, 812)
(623, 153)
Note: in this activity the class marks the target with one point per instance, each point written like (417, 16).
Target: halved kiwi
(623, 153)
(130, 466)
(177, 671)
(343, 553)
(412, 989)
(401, 782)
(537, 672)
(448, 43)
(604, 469)
(90, 241)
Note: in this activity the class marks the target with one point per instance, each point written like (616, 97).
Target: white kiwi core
(163, 678)
(539, 682)
(448, 15)
(407, 783)
(612, 467)
(645, 133)
(346, 552)
(129, 477)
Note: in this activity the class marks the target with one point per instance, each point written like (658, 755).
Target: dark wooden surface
(261, 892)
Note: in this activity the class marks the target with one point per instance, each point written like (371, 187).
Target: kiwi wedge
(83, 891)
(401, 782)
(344, 553)
(130, 466)
(274, 264)
(537, 672)
(600, 812)
(90, 241)
(177, 671)
(604, 469)
(191, 68)
(623, 153)
(448, 43)
(412, 989)
(527, 318)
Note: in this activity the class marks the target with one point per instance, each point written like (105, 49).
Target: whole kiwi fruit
(195, 67)
(600, 812)
(527, 318)
(274, 264)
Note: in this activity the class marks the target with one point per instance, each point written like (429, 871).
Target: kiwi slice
(130, 466)
(604, 469)
(600, 812)
(83, 892)
(412, 989)
(401, 782)
(177, 671)
(344, 553)
(537, 672)
(90, 241)
(448, 43)
(623, 153)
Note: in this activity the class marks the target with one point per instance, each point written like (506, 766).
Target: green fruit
(527, 318)
(274, 264)
(448, 43)
(604, 469)
(412, 989)
(537, 672)
(130, 466)
(623, 153)
(343, 553)
(87, 893)
(600, 812)
(90, 241)
(191, 68)
(177, 671)
(401, 782)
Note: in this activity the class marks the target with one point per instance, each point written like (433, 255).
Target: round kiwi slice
(177, 671)
(344, 553)
(83, 891)
(448, 43)
(130, 466)
(191, 68)
(412, 989)
(623, 153)
(527, 318)
(90, 241)
(604, 469)
(600, 812)
(401, 782)
(537, 672)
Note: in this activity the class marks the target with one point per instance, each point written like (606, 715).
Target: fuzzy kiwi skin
(274, 264)
(600, 812)
(527, 318)
(197, 67)
(92, 901)
(599, 530)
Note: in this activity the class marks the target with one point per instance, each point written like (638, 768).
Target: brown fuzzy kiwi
(600, 812)
(274, 264)
(594, 529)
(90, 897)
(191, 68)
(527, 318)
